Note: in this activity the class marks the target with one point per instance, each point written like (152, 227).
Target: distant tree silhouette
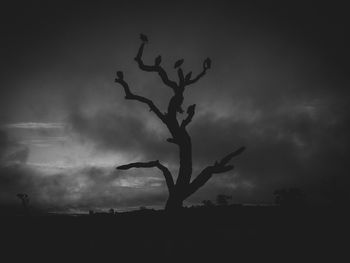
(25, 201)
(111, 211)
(183, 187)
(222, 199)
(207, 203)
(289, 197)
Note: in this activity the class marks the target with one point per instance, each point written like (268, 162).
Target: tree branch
(192, 81)
(206, 66)
(171, 140)
(190, 112)
(168, 177)
(218, 167)
(228, 157)
(180, 73)
(155, 68)
(130, 96)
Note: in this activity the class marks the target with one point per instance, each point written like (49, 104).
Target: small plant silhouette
(111, 211)
(184, 186)
(25, 201)
(222, 200)
(208, 203)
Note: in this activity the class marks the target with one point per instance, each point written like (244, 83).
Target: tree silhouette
(25, 201)
(207, 203)
(183, 187)
(222, 200)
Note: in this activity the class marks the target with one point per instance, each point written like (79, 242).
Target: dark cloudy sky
(279, 85)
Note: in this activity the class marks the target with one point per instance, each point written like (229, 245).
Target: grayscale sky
(279, 85)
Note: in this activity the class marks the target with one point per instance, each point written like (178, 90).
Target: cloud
(20, 155)
(278, 85)
(294, 145)
(4, 142)
(113, 131)
(56, 188)
(80, 188)
(35, 125)
(12, 151)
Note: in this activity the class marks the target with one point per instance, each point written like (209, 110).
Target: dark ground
(231, 234)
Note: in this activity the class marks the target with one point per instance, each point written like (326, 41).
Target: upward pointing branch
(168, 177)
(206, 66)
(190, 112)
(130, 96)
(155, 68)
(228, 157)
(218, 167)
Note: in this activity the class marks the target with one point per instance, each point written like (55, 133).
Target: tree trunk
(185, 152)
(174, 202)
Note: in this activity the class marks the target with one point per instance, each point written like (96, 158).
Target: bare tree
(183, 187)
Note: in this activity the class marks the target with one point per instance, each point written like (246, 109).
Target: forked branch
(154, 68)
(206, 66)
(190, 112)
(219, 167)
(228, 157)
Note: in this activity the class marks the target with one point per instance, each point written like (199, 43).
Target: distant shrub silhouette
(25, 201)
(290, 197)
(184, 186)
(208, 203)
(111, 211)
(222, 200)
